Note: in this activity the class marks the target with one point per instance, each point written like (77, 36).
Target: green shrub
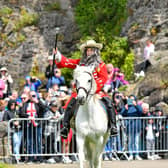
(52, 6)
(107, 15)
(102, 21)
(20, 37)
(5, 20)
(5, 11)
(118, 53)
(26, 19)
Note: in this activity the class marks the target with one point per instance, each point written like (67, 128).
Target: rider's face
(89, 51)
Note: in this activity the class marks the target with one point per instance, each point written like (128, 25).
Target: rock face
(40, 38)
(148, 19)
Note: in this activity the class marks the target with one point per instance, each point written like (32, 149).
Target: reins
(87, 92)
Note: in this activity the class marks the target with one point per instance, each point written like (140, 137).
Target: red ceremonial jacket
(100, 73)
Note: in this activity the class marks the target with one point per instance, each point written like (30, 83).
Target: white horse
(91, 119)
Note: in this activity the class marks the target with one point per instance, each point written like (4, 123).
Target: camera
(130, 101)
(33, 80)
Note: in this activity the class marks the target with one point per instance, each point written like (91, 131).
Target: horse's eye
(76, 83)
(89, 81)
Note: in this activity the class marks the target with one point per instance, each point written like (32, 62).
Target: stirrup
(113, 131)
(64, 132)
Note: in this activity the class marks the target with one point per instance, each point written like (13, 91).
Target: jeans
(115, 84)
(34, 140)
(17, 138)
(133, 143)
(108, 146)
(146, 64)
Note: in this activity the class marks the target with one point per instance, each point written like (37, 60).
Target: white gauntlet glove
(58, 56)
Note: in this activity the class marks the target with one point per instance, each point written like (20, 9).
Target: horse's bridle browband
(87, 92)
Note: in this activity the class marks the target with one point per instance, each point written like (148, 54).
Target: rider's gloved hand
(57, 55)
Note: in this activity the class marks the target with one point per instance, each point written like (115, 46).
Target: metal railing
(41, 137)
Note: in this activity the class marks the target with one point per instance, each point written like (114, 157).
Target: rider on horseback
(90, 57)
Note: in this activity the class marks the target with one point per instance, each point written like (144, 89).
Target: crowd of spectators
(142, 129)
(31, 103)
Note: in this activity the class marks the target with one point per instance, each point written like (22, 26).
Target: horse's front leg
(98, 152)
(98, 161)
(80, 145)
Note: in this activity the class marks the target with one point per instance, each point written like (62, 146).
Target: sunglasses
(33, 95)
(117, 97)
(23, 98)
(54, 106)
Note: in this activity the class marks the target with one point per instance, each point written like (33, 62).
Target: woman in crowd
(6, 77)
(15, 126)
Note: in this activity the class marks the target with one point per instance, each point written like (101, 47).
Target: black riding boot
(111, 115)
(67, 117)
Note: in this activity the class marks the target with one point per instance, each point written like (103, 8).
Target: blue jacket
(34, 86)
(55, 80)
(133, 125)
(133, 111)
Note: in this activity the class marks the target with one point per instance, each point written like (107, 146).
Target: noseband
(87, 92)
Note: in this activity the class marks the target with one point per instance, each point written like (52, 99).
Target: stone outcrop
(148, 19)
(40, 38)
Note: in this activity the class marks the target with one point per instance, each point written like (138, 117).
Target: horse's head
(85, 83)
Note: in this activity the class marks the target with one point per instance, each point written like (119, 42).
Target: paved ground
(106, 164)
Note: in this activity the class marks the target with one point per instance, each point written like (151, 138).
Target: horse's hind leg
(80, 145)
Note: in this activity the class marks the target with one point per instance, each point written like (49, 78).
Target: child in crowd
(150, 138)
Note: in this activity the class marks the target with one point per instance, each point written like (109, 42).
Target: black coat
(40, 109)
(48, 72)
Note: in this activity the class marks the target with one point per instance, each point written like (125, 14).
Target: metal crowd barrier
(139, 135)
(42, 137)
(39, 138)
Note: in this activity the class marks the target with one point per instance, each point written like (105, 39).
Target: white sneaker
(142, 73)
(51, 160)
(136, 76)
(130, 158)
(157, 157)
(151, 158)
(106, 158)
(66, 160)
(112, 158)
(138, 157)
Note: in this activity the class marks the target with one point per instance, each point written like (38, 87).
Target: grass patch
(3, 165)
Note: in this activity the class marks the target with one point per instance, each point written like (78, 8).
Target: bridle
(86, 91)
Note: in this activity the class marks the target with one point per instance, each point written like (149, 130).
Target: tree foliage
(102, 20)
(104, 14)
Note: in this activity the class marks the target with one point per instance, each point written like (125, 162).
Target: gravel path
(106, 164)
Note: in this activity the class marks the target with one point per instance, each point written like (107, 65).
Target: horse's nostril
(81, 100)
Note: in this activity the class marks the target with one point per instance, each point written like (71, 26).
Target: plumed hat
(91, 43)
